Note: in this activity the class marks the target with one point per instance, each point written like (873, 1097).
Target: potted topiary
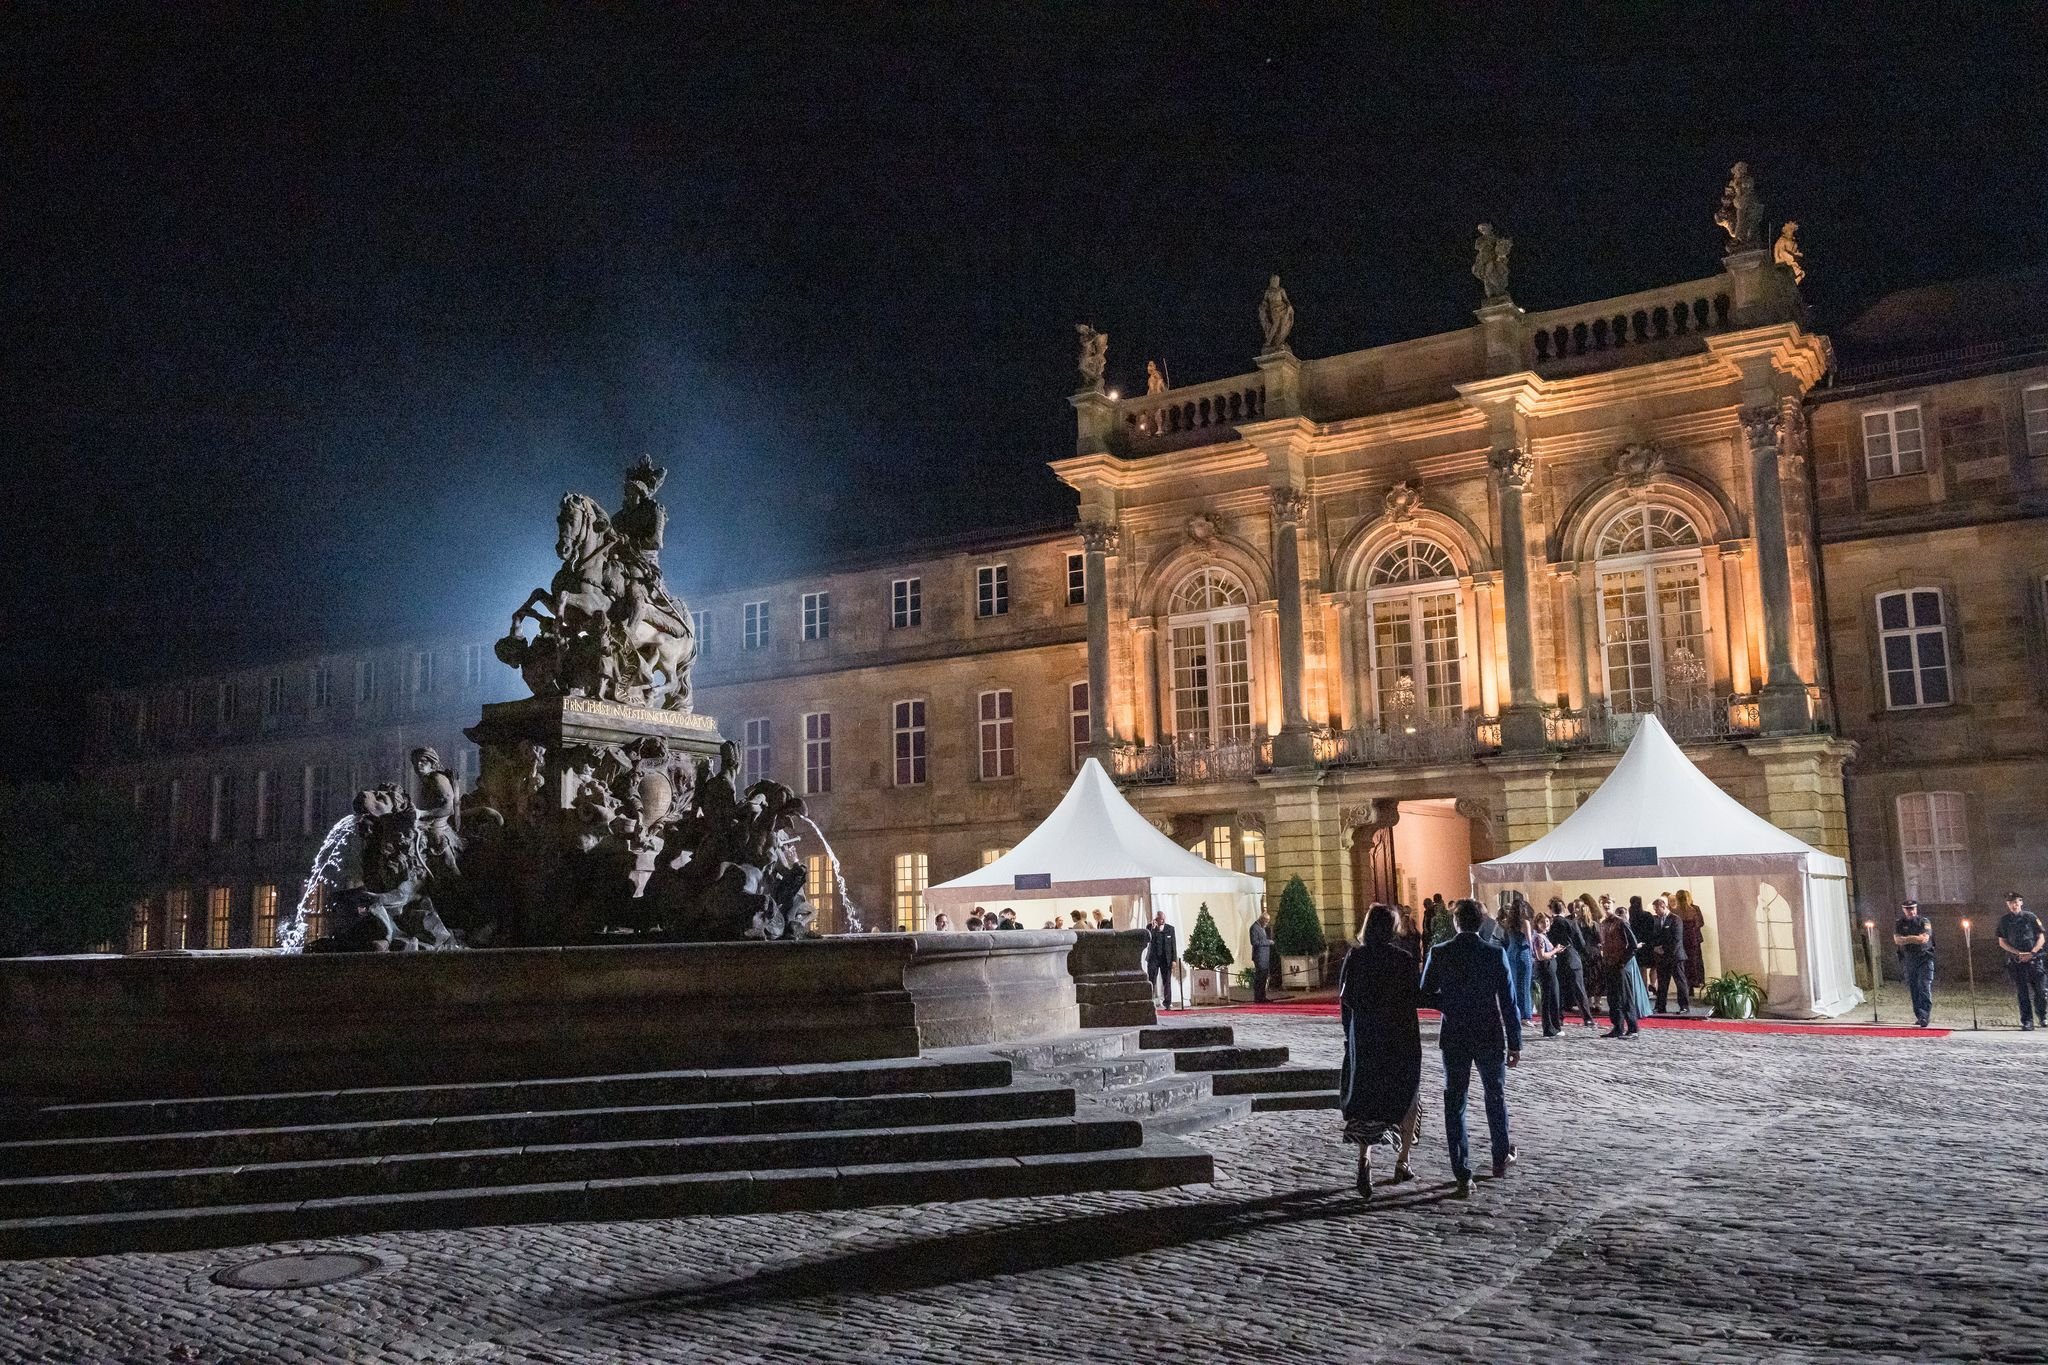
(1208, 955)
(1298, 938)
(1734, 995)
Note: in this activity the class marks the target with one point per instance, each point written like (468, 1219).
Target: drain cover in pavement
(297, 1272)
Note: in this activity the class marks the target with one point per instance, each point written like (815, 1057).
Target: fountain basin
(171, 1024)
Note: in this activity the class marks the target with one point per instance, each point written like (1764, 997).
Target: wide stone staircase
(79, 1179)
(1174, 1078)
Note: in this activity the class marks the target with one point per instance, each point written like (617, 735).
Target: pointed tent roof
(1656, 798)
(1095, 843)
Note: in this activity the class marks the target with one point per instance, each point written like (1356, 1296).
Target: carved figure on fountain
(391, 909)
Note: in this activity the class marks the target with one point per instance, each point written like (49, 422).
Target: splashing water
(326, 871)
(853, 920)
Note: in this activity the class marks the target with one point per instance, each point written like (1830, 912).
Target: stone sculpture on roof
(1741, 214)
(1785, 251)
(1094, 355)
(1276, 316)
(1490, 261)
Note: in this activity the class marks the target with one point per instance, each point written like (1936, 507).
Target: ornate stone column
(1099, 540)
(1783, 707)
(1521, 720)
(1294, 746)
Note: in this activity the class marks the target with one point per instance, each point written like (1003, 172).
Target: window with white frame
(1653, 616)
(1209, 628)
(320, 686)
(1077, 580)
(266, 803)
(908, 725)
(1934, 847)
(1893, 442)
(472, 666)
(273, 696)
(754, 625)
(913, 872)
(817, 615)
(263, 917)
(1254, 844)
(758, 754)
(220, 915)
(906, 603)
(1418, 664)
(177, 917)
(313, 784)
(998, 734)
(220, 822)
(1220, 847)
(2034, 404)
(992, 590)
(1912, 630)
(423, 678)
(1077, 723)
(817, 752)
(700, 623)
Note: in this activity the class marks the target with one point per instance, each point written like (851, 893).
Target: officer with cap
(2020, 936)
(1914, 938)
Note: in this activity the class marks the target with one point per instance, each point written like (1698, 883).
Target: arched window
(1418, 667)
(1653, 622)
(1209, 625)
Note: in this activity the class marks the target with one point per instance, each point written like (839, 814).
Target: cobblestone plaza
(1692, 1196)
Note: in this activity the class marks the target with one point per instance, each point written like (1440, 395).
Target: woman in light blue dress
(1517, 930)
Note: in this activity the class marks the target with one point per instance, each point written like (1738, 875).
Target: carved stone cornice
(1402, 500)
(1513, 466)
(1290, 505)
(1101, 537)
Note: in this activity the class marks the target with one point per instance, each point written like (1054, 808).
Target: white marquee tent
(1775, 907)
(1095, 852)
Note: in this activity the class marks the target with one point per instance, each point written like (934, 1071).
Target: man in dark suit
(1467, 979)
(1669, 955)
(1263, 961)
(1162, 950)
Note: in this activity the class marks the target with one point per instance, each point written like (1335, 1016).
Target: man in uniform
(2020, 935)
(1914, 938)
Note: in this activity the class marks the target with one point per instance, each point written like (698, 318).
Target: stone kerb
(991, 987)
(1110, 986)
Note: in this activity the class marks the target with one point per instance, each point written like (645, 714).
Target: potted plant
(1298, 938)
(1734, 995)
(1243, 991)
(1208, 955)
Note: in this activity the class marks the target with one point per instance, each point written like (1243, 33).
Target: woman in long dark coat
(1379, 995)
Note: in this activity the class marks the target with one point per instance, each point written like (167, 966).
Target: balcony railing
(1193, 759)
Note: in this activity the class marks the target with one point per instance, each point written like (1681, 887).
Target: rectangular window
(320, 686)
(366, 682)
(817, 752)
(313, 895)
(913, 870)
(700, 622)
(998, 735)
(220, 824)
(1893, 443)
(1219, 847)
(906, 603)
(220, 914)
(1077, 580)
(1077, 722)
(174, 809)
(177, 917)
(263, 908)
(755, 633)
(273, 696)
(1254, 845)
(227, 701)
(138, 926)
(989, 855)
(266, 803)
(1212, 682)
(817, 615)
(759, 751)
(472, 666)
(910, 743)
(992, 590)
(1934, 846)
(1418, 669)
(422, 672)
(2035, 402)
(313, 799)
(187, 700)
(820, 885)
(1913, 635)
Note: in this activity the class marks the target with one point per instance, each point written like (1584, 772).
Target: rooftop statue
(607, 626)
(1741, 214)
(1155, 377)
(1094, 355)
(1490, 261)
(1786, 251)
(1276, 316)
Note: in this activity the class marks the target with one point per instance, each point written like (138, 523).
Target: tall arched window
(1417, 661)
(1209, 624)
(1653, 623)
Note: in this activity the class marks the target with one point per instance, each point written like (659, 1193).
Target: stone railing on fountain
(1191, 415)
(1110, 986)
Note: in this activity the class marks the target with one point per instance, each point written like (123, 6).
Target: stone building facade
(1362, 619)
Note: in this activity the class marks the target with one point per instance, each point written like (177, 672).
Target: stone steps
(1161, 1095)
(1293, 1099)
(1229, 1058)
(1175, 1036)
(1207, 1114)
(1085, 1045)
(1278, 1079)
(1160, 1161)
(1107, 1073)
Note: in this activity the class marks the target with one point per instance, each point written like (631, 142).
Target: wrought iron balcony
(1192, 759)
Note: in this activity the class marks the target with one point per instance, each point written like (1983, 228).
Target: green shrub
(1206, 950)
(1297, 929)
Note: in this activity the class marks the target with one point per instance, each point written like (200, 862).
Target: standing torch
(1870, 951)
(1970, 964)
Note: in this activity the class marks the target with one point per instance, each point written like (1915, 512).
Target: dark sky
(310, 321)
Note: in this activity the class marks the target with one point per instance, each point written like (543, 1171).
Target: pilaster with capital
(1099, 540)
(1514, 470)
(1784, 704)
(1294, 746)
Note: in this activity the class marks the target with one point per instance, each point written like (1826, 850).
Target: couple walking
(1467, 979)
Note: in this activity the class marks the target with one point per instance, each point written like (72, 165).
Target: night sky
(311, 322)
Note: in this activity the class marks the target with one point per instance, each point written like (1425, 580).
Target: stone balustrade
(1221, 402)
(1631, 321)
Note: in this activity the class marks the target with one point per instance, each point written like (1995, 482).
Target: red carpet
(1325, 1009)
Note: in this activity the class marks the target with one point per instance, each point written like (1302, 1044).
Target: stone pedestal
(565, 729)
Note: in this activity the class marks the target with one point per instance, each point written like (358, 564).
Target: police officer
(2020, 936)
(1914, 938)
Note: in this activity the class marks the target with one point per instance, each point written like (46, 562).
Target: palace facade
(1363, 618)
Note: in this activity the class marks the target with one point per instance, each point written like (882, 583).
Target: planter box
(1208, 987)
(1301, 973)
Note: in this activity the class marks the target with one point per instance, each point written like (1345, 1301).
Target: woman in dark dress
(1382, 1046)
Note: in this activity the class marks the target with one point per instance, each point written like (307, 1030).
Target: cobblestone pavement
(1683, 1197)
